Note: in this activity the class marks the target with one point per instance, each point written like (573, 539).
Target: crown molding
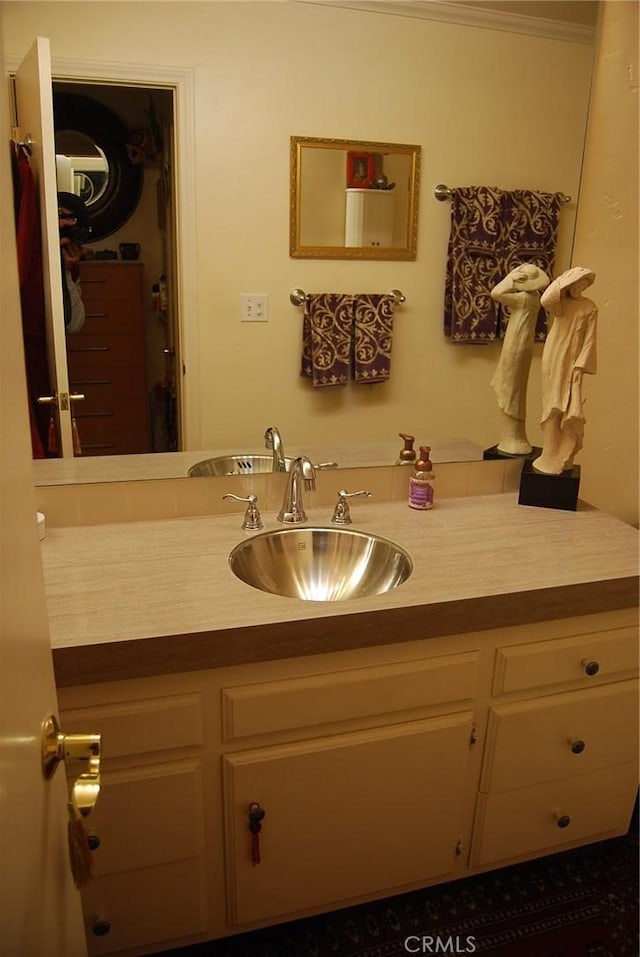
(470, 16)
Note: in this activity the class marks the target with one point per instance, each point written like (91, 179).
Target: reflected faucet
(273, 440)
(300, 474)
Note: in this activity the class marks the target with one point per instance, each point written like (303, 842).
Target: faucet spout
(301, 475)
(273, 441)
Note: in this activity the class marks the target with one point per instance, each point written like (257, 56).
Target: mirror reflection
(353, 199)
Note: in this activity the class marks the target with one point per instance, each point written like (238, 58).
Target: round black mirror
(103, 174)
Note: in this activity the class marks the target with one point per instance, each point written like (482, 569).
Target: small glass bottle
(421, 484)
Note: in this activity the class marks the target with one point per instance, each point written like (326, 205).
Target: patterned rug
(580, 903)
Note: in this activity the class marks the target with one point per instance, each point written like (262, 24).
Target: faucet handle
(341, 514)
(251, 521)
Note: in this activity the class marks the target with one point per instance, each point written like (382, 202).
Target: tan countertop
(144, 598)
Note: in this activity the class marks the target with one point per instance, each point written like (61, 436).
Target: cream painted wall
(607, 242)
(486, 106)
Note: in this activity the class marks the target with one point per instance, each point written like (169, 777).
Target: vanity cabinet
(107, 360)
(347, 813)
(379, 770)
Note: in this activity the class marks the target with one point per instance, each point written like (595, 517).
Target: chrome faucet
(273, 440)
(300, 474)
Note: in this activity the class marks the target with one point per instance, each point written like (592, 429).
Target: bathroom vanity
(481, 714)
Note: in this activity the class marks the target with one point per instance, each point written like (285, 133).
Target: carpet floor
(579, 903)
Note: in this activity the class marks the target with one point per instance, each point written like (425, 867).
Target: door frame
(180, 80)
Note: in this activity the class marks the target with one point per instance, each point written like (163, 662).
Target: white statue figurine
(569, 353)
(520, 292)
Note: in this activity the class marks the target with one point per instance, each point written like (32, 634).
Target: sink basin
(321, 564)
(249, 464)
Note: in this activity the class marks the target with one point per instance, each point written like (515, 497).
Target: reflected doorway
(126, 358)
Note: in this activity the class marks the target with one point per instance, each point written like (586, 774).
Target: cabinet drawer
(111, 281)
(98, 351)
(111, 316)
(147, 816)
(559, 736)
(564, 660)
(525, 822)
(144, 906)
(359, 693)
(139, 727)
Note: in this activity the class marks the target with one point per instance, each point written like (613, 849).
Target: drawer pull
(93, 841)
(101, 928)
(89, 348)
(562, 820)
(577, 745)
(96, 315)
(87, 279)
(591, 667)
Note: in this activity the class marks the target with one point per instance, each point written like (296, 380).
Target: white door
(34, 115)
(40, 911)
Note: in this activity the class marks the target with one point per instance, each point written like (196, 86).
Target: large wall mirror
(353, 199)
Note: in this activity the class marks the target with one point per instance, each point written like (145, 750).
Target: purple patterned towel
(373, 333)
(326, 339)
(492, 231)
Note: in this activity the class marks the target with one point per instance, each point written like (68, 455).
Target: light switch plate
(254, 307)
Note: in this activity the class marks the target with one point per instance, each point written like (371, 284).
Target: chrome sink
(249, 464)
(321, 564)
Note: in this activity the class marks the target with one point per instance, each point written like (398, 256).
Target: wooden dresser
(107, 360)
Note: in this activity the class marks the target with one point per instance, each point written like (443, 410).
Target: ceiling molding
(470, 16)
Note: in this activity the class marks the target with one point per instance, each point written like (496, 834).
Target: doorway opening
(132, 379)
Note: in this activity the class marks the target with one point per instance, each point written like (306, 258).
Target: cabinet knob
(562, 820)
(591, 667)
(93, 841)
(101, 928)
(577, 745)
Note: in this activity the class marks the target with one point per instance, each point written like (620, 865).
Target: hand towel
(492, 232)
(326, 339)
(373, 332)
(530, 235)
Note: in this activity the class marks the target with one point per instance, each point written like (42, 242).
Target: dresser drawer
(111, 316)
(112, 280)
(562, 660)
(101, 386)
(561, 735)
(104, 351)
(528, 822)
(139, 727)
(359, 693)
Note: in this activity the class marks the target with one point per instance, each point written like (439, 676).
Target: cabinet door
(347, 816)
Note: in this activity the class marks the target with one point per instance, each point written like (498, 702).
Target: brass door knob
(81, 749)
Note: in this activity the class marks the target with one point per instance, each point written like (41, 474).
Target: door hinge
(459, 847)
(473, 737)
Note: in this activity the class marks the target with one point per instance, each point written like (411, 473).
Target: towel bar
(443, 193)
(297, 296)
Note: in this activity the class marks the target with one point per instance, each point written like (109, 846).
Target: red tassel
(52, 436)
(77, 447)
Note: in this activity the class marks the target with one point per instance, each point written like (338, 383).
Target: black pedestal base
(549, 491)
(495, 453)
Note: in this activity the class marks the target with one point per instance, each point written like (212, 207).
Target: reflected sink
(249, 464)
(321, 564)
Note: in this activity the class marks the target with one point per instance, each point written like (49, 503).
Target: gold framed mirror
(353, 199)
